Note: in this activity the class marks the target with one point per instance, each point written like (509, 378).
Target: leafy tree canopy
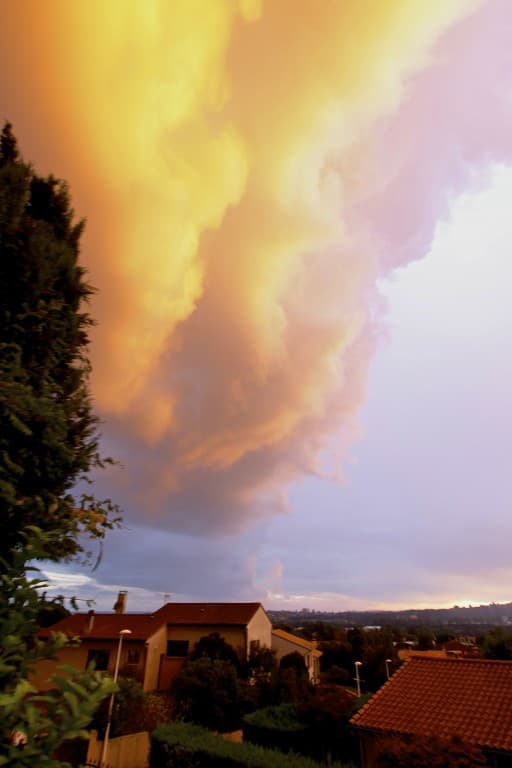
(34, 725)
(497, 644)
(49, 435)
(213, 646)
(206, 692)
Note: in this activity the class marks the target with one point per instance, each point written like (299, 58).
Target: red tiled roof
(467, 698)
(143, 625)
(235, 614)
(106, 626)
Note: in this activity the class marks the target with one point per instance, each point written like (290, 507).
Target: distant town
(460, 620)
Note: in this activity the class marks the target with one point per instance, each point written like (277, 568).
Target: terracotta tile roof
(406, 653)
(143, 625)
(306, 644)
(106, 626)
(467, 698)
(216, 614)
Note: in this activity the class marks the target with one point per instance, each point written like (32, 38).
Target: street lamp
(123, 633)
(387, 662)
(358, 664)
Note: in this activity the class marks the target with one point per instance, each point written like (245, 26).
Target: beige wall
(259, 630)
(155, 649)
(76, 656)
(235, 636)
(169, 668)
(282, 647)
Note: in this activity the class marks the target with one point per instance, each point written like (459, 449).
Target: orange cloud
(215, 146)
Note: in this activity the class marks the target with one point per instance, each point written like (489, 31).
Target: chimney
(90, 622)
(120, 604)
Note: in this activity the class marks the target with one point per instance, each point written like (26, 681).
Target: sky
(297, 223)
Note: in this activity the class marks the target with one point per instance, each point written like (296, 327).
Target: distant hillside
(478, 615)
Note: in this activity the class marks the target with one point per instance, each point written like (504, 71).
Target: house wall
(169, 668)
(282, 647)
(76, 656)
(259, 630)
(235, 636)
(155, 650)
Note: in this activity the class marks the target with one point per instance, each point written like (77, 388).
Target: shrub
(159, 710)
(129, 713)
(182, 745)
(213, 646)
(427, 752)
(206, 693)
(277, 727)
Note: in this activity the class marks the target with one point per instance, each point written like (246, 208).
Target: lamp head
(124, 632)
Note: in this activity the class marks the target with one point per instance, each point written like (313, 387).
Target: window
(99, 658)
(133, 656)
(177, 647)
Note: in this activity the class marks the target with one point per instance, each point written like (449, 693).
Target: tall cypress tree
(48, 432)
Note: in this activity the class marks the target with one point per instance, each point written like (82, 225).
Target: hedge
(277, 727)
(182, 745)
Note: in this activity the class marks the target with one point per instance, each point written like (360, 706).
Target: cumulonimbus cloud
(249, 171)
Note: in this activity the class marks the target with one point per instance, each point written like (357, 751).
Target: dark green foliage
(158, 709)
(318, 726)
(426, 640)
(371, 647)
(48, 443)
(296, 662)
(261, 661)
(497, 644)
(51, 611)
(431, 752)
(206, 692)
(259, 679)
(326, 714)
(282, 717)
(130, 710)
(48, 435)
(213, 646)
(317, 630)
(277, 727)
(46, 719)
(186, 746)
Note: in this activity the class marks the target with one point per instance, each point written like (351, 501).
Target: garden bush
(277, 727)
(181, 745)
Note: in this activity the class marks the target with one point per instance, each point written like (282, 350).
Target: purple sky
(304, 371)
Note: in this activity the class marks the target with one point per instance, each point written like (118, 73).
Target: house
(158, 642)
(466, 699)
(242, 625)
(284, 643)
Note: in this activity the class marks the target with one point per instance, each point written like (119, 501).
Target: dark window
(100, 659)
(133, 656)
(177, 647)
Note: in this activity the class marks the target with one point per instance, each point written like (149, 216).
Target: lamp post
(104, 751)
(387, 662)
(358, 664)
